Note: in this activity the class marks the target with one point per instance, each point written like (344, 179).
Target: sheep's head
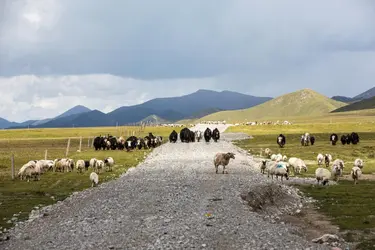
(324, 182)
(304, 167)
(230, 155)
(264, 162)
(286, 175)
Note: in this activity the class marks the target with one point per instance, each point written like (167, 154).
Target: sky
(55, 54)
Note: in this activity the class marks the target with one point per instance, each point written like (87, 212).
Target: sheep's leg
(217, 168)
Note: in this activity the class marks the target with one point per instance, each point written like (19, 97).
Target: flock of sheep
(35, 168)
(279, 166)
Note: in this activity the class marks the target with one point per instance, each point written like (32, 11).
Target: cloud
(152, 48)
(32, 97)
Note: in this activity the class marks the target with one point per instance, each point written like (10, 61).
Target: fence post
(12, 166)
(45, 154)
(80, 144)
(88, 142)
(67, 148)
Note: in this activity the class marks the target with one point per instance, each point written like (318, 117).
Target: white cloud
(115, 52)
(33, 97)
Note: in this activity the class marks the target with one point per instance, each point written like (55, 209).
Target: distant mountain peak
(79, 109)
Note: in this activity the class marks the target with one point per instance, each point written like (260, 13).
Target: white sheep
(320, 159)
(26, 170)
(284, 158)
(322, 174)
(59, 165)
(358, 163)
(279, 157)
(223, 160)
(273, 157)
(45, 165)
(80, 166)
(94, 178)
(327, 159)
(263, 165)
(297, 165)
(93, 163)
(336, 172)
(268, 152)
(279, 169)
(99, 166)
(340, 164)
(355, 174)
(109, 162)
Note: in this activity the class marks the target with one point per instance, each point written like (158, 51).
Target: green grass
(299, 103)
(18, 196)
(350, 207)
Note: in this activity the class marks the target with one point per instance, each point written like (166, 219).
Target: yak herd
(112, 143)
(307, 139)
(187, 135)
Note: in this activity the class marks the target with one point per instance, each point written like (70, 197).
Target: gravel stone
(172, 200)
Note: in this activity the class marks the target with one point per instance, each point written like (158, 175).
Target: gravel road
(162, 204)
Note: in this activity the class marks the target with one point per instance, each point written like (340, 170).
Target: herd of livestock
(279, 165)
(307, 139)
(110, 142)
(187, 135)
(35, 168)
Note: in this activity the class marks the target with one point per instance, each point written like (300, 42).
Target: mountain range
(207, 105)
(365, 95)
(191, 106)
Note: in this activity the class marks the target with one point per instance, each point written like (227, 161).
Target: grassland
(350, 207)
(19, 197)
(299, 103)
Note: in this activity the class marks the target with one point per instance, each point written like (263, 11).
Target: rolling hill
(360, 105)
(305, 102)
(194, 105)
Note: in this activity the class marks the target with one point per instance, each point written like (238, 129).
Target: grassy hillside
(364, 104)
(301, 103)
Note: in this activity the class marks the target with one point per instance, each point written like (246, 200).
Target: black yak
(354, 138)
(312, 140)
(216, 134)
(173, 137)
(333, 138)
(131, 143)
(343, 139)
(185, 135)
(207, 135)
(281, 140)
(99, 143)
